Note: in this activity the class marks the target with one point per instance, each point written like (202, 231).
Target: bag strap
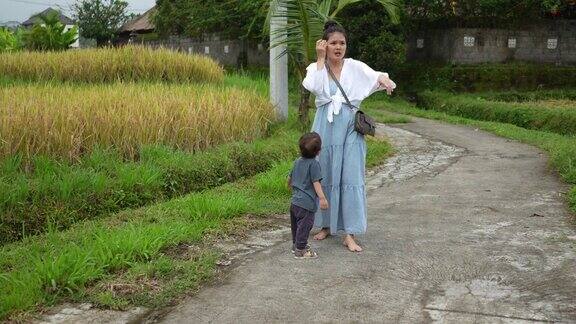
(339, 86)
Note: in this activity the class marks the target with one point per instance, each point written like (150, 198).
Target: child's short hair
(310, 145)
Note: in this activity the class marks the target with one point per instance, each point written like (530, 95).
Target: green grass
(527, 96)
(130, 247)
(561, 148)
(242, 81)
(56, 195)
(561, 120)
(373, 107)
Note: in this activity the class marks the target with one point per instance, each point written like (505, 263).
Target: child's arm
(289, 180)
(320, 193)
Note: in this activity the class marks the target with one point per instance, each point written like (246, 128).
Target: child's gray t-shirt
(304, 173)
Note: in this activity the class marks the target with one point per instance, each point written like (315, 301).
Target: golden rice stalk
(129, 63)
(66, 121)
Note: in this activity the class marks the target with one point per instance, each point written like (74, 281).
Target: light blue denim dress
(343, 159)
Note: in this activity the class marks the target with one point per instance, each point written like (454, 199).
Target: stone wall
(551, 43)
(227, 52)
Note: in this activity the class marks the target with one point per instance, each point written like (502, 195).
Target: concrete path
(463, 227)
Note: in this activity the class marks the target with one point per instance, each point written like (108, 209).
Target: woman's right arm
(321, 45)
(314, 80)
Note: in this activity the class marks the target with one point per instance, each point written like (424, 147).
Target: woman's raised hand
(321, 49)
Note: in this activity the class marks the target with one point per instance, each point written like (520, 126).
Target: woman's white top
(357, 79)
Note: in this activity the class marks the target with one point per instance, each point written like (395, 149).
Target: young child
(305, 180)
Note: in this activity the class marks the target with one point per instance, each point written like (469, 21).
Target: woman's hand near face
(385, 83)
(321, 53)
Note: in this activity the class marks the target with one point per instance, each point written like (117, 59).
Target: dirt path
(464, 226)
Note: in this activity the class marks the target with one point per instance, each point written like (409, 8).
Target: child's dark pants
(302, 221)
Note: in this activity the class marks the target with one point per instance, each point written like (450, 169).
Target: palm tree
(305, 25)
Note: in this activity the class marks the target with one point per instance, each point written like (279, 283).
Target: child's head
(310, 144)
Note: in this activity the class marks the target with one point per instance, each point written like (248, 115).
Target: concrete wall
(492, 45)
(227, 52)
(76, 44)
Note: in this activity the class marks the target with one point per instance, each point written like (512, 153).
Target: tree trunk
(242, 60)
(304, 108)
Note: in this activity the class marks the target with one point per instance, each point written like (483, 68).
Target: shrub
(9, 41)
(416, 77)
(385, 52)
(49, 34)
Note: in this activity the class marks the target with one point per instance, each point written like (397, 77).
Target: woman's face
(336, 48)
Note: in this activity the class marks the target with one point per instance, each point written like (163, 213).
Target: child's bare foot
(324, 233)
(351, 244)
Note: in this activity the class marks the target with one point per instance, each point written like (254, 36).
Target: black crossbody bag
(363, 123)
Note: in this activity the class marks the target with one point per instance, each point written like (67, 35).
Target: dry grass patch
(553, 103)
(129, 63)
(69, 121)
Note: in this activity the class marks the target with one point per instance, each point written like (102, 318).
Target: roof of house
(142, 23)
(34, 18)
(10, 24)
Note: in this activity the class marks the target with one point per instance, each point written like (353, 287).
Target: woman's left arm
(384, 82)
(371, 81)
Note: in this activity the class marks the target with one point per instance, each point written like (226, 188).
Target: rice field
(67, 121)
(129, 63)
(88, 135)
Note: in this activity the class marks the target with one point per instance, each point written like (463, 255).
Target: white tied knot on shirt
(335, 105)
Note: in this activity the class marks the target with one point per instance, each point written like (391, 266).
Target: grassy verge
(561, 120)
(55, 195)
(133, 247)
(373, 105)
(528, 96)
(561, 149)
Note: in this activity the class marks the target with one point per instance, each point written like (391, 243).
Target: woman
(343, 154)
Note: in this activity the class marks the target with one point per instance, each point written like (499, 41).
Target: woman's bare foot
(324, 233)
(351, 244)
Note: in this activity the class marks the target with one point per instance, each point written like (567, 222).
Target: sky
(20, 10)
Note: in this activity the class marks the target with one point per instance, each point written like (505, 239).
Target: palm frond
(324, 7)
(341, 5)
(393, 8)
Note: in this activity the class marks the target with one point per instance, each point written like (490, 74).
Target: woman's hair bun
(331, 27)
(330, 24)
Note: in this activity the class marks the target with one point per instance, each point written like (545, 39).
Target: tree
(373, 37)
(194, 18)
(100, 19)
(484, 13)
(306, 20)
(49, 34)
